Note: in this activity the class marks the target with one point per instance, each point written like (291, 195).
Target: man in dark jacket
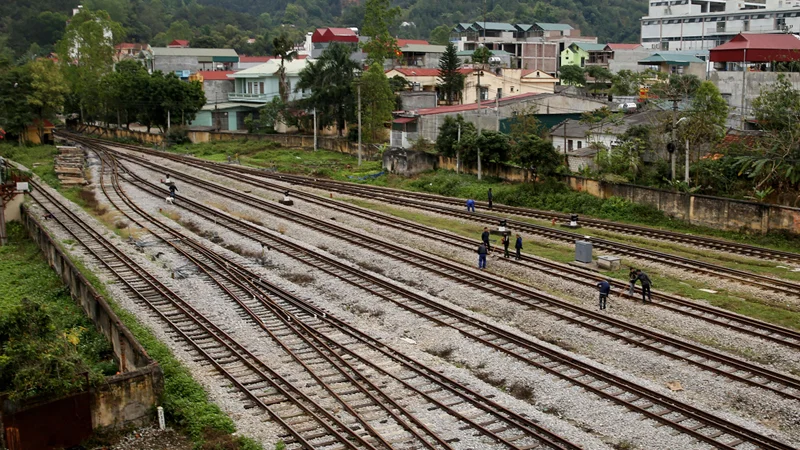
(646, 283)
(518, 245)
(490, 198)
(485, 238)
(506, 242)
(605, 290)
(482, 256)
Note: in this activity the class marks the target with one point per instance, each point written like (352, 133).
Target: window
(746, 25)
(261, 87)
(780, 22)
(720, 27)
(583, 61)
(580, 144)
(569, 145)
(484, 93)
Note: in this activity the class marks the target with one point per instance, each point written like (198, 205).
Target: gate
(62, 423)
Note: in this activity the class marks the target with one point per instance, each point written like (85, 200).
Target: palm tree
(283, 49)
(330, 80)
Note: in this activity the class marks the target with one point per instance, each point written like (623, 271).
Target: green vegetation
(266, 154)
(38, 159)
(47, 344)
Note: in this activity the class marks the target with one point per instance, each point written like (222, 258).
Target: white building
(677, 25)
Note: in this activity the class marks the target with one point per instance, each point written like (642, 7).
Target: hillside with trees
(31, 27)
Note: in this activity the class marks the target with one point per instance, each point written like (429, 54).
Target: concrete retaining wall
(340, 145)
(712, 212)
(129, 396)
(503, 171)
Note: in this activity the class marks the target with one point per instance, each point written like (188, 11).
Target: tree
(377, 100)
(15, 86)
(525, 124)
(534, 152)
(440, 35)
(447, 141)
(48, 89)
(494, 146)
(283, 48)
(378, 16)
(481, 55)
(774, 161)
(572, 75)
(626, 82)
(600, 74)
(330, 80)
(707, 115)
(87, 54)
(451, 79)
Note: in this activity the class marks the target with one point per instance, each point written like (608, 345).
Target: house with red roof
(322, 38)
(178, 43)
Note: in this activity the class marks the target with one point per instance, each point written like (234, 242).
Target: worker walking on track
(485, 238)
(605, 290)
(518, 246)
(470, 205)
(482, 256)
(490, 198)
(506, 242)
(172, 189)
(646, 283)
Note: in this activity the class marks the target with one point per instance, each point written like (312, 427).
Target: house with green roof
(582, 54)
(677, 63)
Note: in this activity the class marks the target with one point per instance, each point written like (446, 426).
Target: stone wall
(503, 171)
(129, 396)
(340, 145)
(730, 86)
(108, 133)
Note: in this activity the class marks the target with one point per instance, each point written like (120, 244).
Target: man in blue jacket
(605, 289)
(470, 205)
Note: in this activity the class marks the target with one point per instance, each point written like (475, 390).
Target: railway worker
(632, 277)
(172, 189)
(605, 290)
(490, 198)
(167, 180)
(646, 283)
(506, 242)
(471, 205)
(482, 251)
(518, 245)
(485, 238)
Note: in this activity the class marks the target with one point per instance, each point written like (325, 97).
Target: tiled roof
(207, 52)
(494, 26)
(418, 48)
(589, 47)
(677, 59)
(341, 31)
(254, 59)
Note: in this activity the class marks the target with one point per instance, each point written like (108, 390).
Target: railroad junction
(335, 323)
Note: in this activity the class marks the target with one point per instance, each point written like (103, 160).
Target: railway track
(273, 393)
(784, 287)
(635, 230)
(701, 425)
(676, 304)
(716, 316)
(281, 314)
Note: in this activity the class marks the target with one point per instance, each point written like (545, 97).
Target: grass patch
(270, 155)
(39, 159)
(553, 195)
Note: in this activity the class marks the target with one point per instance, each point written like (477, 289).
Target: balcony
(243, 97)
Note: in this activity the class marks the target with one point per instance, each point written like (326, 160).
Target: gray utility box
(583, 251)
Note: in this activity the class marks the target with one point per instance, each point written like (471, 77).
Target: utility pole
(458, 150)
(686, 172)
(497, 111)
(168, 120)
(359, 123)
(315, 129)
(744, 83)
(674, 128)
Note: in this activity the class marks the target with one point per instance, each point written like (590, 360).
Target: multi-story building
(532, 46)
(680, 25)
